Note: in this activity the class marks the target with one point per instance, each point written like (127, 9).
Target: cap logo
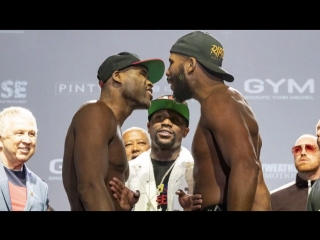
(167, 97)
(170, 97)
(217, 51)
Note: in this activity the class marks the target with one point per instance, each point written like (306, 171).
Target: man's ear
(116, 76)
(101, 83)
(191, 63)
(185, 132)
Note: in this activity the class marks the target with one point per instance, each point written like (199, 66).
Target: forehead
(166, 113)
(318, 125)
(136, 68)
(178, 57)
(134, 134)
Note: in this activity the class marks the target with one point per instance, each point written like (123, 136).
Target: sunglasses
(310, 149)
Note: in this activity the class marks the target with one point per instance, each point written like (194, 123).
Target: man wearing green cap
(226, 145)
(163, 174)
(94, 152)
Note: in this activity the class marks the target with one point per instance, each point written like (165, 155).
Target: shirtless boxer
(94, 152)
(226, 144)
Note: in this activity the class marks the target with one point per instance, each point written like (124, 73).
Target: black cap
(206, 49)
(125, 59)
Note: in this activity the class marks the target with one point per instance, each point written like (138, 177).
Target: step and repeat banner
(53, 72)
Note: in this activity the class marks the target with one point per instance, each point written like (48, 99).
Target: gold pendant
(160, 189)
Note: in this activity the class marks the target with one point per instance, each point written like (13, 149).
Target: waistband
(215, 208)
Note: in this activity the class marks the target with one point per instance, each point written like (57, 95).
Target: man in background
(163, 174)
(313, 202)
(22, 189)
(136, 141)
(293, 196)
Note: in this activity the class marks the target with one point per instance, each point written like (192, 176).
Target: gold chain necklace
(160, 186)
(149, 203)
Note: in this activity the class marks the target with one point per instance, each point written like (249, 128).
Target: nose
(167, 122)
(26, 138)
(150, 83)
(135, 147)
(303, 151)
(167, 72)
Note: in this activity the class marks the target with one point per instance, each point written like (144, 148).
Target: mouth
(149, 91)
(164, 133)
(303, 160)
(24, 149)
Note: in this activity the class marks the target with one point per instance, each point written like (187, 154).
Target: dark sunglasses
(310, 149)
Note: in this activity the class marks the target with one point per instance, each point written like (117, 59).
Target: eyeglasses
(310, 149)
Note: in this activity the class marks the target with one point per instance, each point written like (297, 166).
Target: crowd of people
(108, 169)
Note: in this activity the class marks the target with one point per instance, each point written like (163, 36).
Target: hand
(124, 196)
(189, 202)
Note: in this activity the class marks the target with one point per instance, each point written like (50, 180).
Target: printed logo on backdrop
(279, 171)
(283, 89)
(76, 88)
(55, 167)
(13, 91)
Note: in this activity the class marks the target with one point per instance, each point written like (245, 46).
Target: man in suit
(21, 189)
(293, 196)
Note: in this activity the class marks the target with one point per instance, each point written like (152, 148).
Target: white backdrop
(53, 72)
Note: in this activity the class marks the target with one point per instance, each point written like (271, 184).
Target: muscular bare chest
(202, 145)
(118, 162)
(208, 161)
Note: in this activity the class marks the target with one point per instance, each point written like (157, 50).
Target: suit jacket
(291, 196)
(313, 203)
(141, 178)
(37, 192)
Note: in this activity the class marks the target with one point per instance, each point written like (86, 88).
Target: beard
(307, 168)
(165, 145)
(137, 98)
(182, 90)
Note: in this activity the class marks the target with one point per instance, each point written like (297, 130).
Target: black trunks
(215, 208)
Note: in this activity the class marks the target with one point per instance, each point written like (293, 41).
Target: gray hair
(7, 113)
(138, 129)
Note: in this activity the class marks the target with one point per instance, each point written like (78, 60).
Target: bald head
(306, 139)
